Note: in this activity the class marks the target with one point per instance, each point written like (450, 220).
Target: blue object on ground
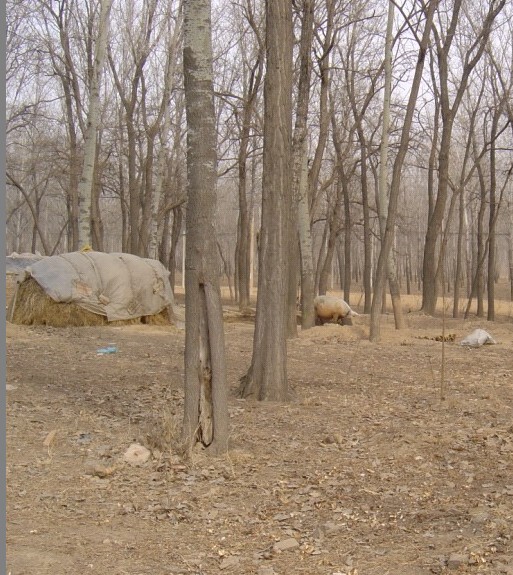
(106, 350)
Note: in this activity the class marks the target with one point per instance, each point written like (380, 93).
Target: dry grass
(10, 288)
(162, 431)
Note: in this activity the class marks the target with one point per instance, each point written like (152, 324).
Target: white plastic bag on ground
(478, 338)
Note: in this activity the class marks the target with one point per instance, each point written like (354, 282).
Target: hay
(10, 288)
(30, 305)
(162, 318)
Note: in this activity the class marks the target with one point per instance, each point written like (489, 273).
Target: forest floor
(367, 472)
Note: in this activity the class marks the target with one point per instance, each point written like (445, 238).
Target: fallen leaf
(49, 438)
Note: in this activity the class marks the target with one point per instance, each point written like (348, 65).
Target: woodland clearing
(368, 471)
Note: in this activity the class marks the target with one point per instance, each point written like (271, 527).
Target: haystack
(32, 306)
(91, 289)
(14, 265)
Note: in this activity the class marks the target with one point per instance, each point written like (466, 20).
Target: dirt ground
(369, 471)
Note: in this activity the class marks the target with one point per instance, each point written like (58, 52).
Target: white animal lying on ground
(331, 308)
(478, 338)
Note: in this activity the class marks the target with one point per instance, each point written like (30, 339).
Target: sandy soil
(368, 472)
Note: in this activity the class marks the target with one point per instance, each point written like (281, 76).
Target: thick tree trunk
(462, 214)
(267, 376)
(205, 405)
(430, 287)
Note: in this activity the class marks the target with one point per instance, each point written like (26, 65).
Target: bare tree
(138, 180)
(300, 178)
(252, 78)
(468, 167)
(386, 242)
(471, 57)
(326, 36)
(206, 406)
(86, 183)
(359, 106)
(61, 17)
(267, 376)
(137, 51)
(382, 203)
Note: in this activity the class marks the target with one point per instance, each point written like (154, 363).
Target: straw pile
(10, 288)
(30, 305)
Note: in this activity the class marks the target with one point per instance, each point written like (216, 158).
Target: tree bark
(306, 250)
(86, 183)
(300, 224)
(253, 83)
(205, 405)
(382, 203)
(267, 376)
(164, 119)
(492, 216)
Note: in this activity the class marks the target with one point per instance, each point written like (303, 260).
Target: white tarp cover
(478, 338)
(16, 263)
(119, 286)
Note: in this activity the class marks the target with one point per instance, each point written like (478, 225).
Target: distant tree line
(96, 140)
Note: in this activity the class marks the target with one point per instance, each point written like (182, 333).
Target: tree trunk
(34, 210)
(129, 98)
(343, 179)
(96, 216)
(299, 157)
(334, 227)
(382, 203)
(367, 239)
(492, 211)
(305, 243)
(176, 232)
(347, 242)
(205, 405)
(164, 119)
(510, 246)
(267, 376)
(320, 259)
(324, 113)
(459, 255)
(462, 214)
(387, 241)
(448, 114)
(86, 184)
